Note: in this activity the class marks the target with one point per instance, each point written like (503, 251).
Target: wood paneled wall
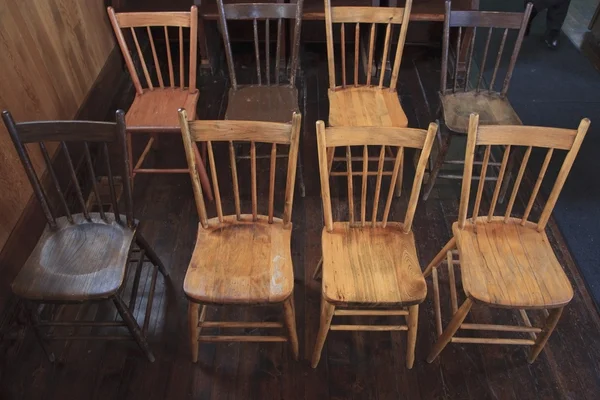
(51, 52)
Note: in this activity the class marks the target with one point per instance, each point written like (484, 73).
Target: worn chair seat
(262, 103)
(366, 106)
(375, 266)
(244, 262)
(76, 262)
(509, 265)
(492, 110)
(156, 110)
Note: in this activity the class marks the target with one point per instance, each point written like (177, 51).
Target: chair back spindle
(259, 13)
(508, 140)
(373, 17)
(140, 26)
(473, 22)
(231, 133)
(382, 139)
(92, 140)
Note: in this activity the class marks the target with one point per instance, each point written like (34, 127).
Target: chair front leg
(289, 314)
(196, 314)
(34, 320)
(439, 161)
(412, 322)
(327, 310)
(450, 330)
(152, 256)
(451, 245)
(133, 327)
(544, 335)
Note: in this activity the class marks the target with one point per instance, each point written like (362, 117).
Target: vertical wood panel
(51, 53)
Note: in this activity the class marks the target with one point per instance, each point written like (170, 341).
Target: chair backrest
(470, 21)
(382, 139)
(375, 16)
(165, 20)
(239, 132)
(264, 12)
(95, 158)
(508, 139)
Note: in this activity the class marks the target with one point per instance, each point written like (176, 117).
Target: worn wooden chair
(82, 256)
(272, 96)
(506, 261)
(464, 93)
(370, 103)
(241, 259)
(370, 266)
(154, 108)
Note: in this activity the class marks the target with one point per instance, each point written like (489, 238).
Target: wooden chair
(273, 96)
(82, 256)
(371, 103)
(370, 266)
(506, 261)
(154, 109)
(464, 94)
(241, 259)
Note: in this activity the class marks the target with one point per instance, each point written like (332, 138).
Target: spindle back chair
(241, 259)
(371, 262)
(272, 96)
(460, 95)
(527, 275)
(82, 255)
(158, 96)
(369, 103)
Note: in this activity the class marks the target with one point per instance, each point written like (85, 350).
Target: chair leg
(327, 310)
(439, 161)
(155, 144)
(300, 176)
(451, 245)
(130, 155)
(202, 174)
(510, 165)
(133, 327)
(412, 321)
(544, 335)
(318, 270)
(34, 320)
(450, 330)
(193, 321)
(154, 259)
(289, 314)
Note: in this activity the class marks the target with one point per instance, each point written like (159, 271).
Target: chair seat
(262, 103)
(492, 110)
(371, 266)
(241, 262)
(509, 265)
(76, 262)
(366, 106)
(156, 110)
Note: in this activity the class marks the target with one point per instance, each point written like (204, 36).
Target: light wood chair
(506, 261)
(464, 93)
(241, 259)
(370, 265)
(82, 257)
(272, 96)
(372, 102)
(154, 108)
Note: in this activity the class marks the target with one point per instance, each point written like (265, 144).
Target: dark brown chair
(273, 96)
(82, 256)
(464, 93)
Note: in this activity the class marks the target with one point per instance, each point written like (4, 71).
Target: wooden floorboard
(355, 365)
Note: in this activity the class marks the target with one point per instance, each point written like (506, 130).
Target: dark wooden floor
(354, 365)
